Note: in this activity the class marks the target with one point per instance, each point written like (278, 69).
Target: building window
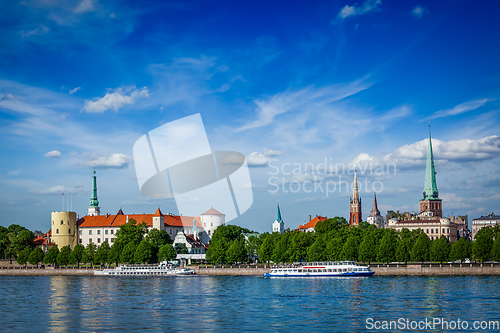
(106, 240)
(81, 241)
(448, 230)
(57, 231)
(90, 240)
(432, 238)
(62, 222)
(69, 231)
(98, 240)
(211, 224)
(98, 232)
(112, 231)
(52, 222)
(427, 231)
(443, 230)
(106, 231)
(112, 239)
(90, 232)
(80, 232)
(170, 230)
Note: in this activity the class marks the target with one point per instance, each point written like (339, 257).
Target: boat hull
(343, 274)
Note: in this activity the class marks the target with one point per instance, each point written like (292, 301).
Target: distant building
(355, 213)
(309, 226)
(278, 224)
(43, 241)
(375, 217)
(432, 228)
(489, 220)
(210, 221)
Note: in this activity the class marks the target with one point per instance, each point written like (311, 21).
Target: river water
(246, 303)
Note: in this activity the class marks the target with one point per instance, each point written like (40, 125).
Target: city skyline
(292, 88)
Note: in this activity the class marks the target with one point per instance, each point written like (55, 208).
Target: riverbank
(249, 270)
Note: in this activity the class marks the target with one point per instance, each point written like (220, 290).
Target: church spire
(94, 203)
(355, 203)
(430, 187)
(278, 214)
(375, 211)
(355, 195)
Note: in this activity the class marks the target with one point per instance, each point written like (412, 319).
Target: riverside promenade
(425, 269)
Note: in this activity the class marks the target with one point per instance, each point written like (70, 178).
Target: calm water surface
(228, 304)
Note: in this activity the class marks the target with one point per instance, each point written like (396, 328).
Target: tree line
(335, 240)
(133, 244)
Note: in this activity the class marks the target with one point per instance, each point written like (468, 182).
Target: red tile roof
(312, 223)
(120, 219)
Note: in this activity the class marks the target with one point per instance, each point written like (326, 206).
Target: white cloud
(85, 6)
(72, 91)
(59, 189)
(461, 108)
(354, 10)
(262, 159)
(113, 161)
(41, 30)
(53, 153)
(6, 97)
(418, 11)
(299, 100)
(451, 200)
(115, 100)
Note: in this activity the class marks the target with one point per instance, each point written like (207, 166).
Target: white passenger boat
(320, 269)
(163, 269)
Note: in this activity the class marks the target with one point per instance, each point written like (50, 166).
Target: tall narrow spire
(430, 187)
(93, 198)
(278, 214)
(94, 203)
(355, 195)
(375, 211)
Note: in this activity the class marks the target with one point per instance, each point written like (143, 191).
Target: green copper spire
(430, 188)
(278, 214)
(93, 198)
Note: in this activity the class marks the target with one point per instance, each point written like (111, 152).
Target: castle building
(278, 224)
(67, 229)
(355, 214)
(375, 217)
(430, 204)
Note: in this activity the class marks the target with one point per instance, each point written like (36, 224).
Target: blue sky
(288, 84)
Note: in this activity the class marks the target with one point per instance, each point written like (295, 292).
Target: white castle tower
(210, 220)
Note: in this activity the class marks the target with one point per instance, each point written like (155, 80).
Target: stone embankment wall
(437, 269)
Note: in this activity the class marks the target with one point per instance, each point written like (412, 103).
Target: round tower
(210, 220)
(64, 229)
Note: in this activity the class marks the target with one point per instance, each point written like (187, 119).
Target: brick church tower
(431, 201)
(355, 215)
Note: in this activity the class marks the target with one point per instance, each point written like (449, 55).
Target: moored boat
(320, 269)
(163, 269)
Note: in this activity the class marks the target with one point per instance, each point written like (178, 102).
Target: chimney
(309, 217)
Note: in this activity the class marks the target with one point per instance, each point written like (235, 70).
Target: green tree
(460, 250)
(158, 238)
(51, 256)
(495, 249)
(317, 251)
(440, 249)
(144, 253)
(24, 239)
(101, 255)
(22, 257)
(368, 248)
(280, 252)
(89, 253)
(387, 248)
(128, 252)
(181, 248)
(236, 252)
(350, 248)
(329, 225)
(421, 249)
(114, 254)
(63, 256)
(404, 246)
(481, 249)
(265, 251)
(76, 255)
(130, 232)
(166, 253)
(36, 256)
(252, 245)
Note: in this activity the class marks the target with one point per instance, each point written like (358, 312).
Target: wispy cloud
(41, 30)
(354, 10)
(298, 100)
(74, 90)
(59, 189)
(461, 108)
(116, 161)
(85, 6)
(115, 100)
(418, 11)
(53, 154)
(262, 159)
